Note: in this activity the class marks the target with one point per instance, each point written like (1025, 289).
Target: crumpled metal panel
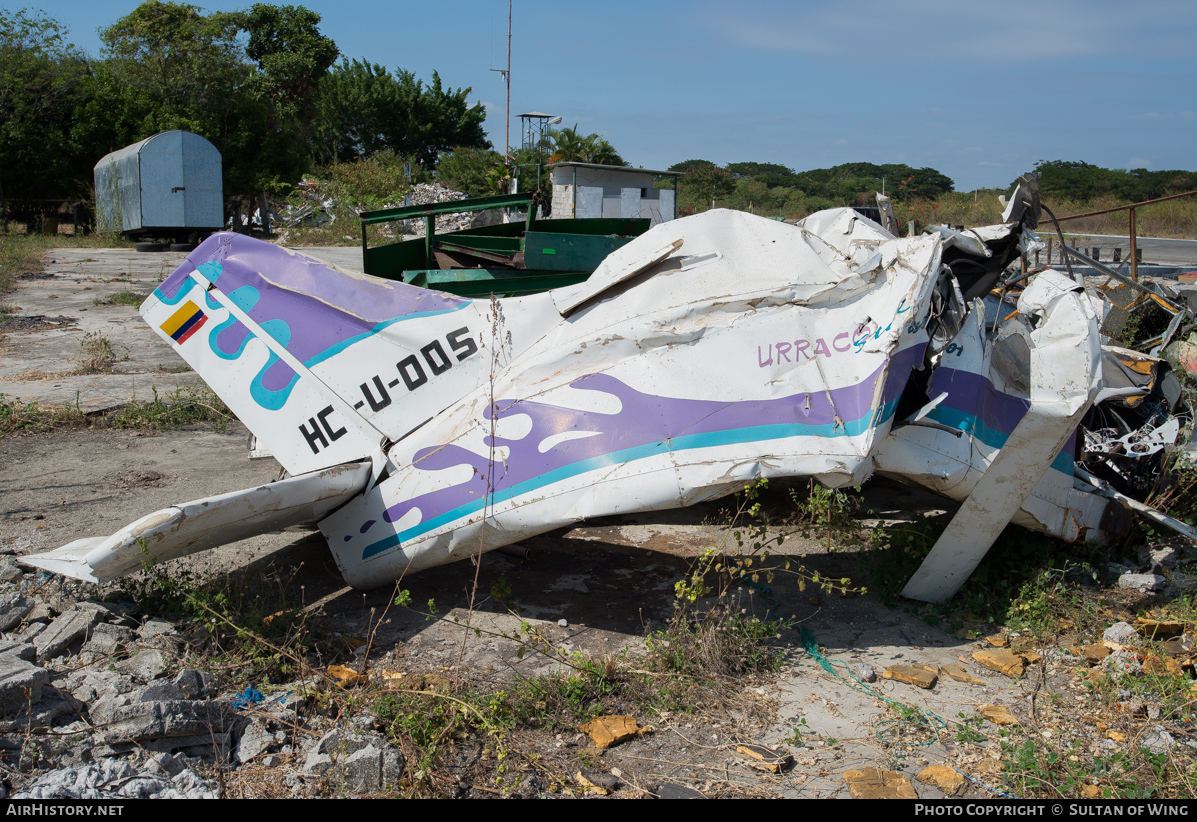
(763, 350)
(711, 351)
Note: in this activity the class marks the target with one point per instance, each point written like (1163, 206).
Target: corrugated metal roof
(628, 169)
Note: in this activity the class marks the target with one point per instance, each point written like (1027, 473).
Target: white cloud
(938, 30)
(1138, 162)
(1164, 115)
(840, 142)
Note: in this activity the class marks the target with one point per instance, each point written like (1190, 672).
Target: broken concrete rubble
(68, 629)
(13, 609)
(20, 681)
(117, 779)
(365, 761)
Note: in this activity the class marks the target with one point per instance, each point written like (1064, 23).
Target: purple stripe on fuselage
(975, 395)
(320, 305)
(643, 419)
(900, 366)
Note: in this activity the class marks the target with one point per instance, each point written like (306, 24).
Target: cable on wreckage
(925, 718)
(1060, 234)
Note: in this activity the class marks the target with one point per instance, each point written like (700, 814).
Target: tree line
(263, 85)
(1073, 180)
(278, 100)
(776, 190)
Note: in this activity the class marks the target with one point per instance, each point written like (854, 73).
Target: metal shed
(168, 183)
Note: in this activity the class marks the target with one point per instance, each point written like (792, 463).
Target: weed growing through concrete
(129, 298)
(18, 417)
(189, 404)
(247, 624)
(98, 354)
(192, 404)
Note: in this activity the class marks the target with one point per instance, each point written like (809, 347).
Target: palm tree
(569, 145)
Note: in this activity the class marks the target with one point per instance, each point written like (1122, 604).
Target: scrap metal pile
(418, 426)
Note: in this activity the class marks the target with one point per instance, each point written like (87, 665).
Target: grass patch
(98, 354)
(24, 253)
(18, 417)
(192, 404)
(176, 368)
(1027, 580)
(1092, 733)
(697, 665)
(129, 298)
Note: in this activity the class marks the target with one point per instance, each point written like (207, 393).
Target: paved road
(1155, 249)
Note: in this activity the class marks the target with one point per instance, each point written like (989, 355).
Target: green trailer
(506, 259)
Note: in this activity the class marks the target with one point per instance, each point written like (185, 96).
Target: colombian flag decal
(184, 322)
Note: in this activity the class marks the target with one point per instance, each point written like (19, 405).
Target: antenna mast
(507, 124)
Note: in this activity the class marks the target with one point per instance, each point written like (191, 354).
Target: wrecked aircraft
(418, 427)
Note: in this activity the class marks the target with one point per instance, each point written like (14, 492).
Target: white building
(589, 191)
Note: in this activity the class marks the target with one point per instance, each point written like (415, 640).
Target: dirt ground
(601, 586)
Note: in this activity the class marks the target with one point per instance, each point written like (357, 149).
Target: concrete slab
(53, 314)
(39, 360)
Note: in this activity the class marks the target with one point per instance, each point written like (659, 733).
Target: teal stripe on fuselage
(976, 427)
(758, 433)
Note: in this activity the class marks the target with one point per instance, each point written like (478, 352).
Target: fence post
(1134, 257)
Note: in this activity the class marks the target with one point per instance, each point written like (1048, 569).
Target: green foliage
(182, 59)
(128, 298)
(363, 109)
(471, 170)
(827, 509)
(753, 563)
(570, 145)
(177, 68)
(775, 190)
(369, 184)
(97, 354)
(1076, 180)
(753, 170)
(290, 52)
(685, 165)
(1036, 768)
(255, 83)
(191, 404)
(42, 77)
(701, 184)
(969, 729)
(1027, 580)
(723, 642)
(188, 404)
(844, 183)
(17, 417)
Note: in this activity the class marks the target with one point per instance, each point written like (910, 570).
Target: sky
(980, 91)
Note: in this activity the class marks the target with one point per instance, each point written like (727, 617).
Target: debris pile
(429, 193)
(315, 208)
(95, 703)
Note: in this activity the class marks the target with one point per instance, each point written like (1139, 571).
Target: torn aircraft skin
(709, 352)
